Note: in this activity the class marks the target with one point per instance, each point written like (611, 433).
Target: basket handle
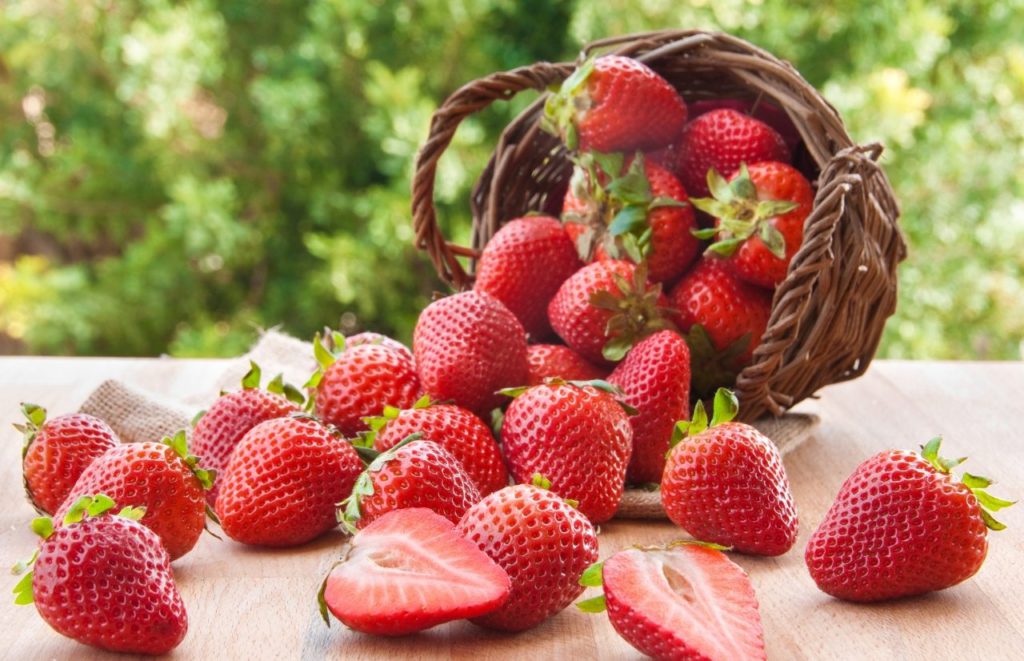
(465, 101)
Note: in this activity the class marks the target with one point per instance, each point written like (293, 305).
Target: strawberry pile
(469, 474)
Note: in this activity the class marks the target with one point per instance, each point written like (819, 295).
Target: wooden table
(257, 604)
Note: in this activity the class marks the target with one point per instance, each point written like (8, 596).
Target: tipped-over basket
(827, 315)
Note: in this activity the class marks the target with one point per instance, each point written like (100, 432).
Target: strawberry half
(411, 570)
(56, 452)
(901, 525)
(687, 601)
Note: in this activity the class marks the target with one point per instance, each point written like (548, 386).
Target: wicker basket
(827, 315)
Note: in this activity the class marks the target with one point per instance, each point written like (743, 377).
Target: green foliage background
(174, 175)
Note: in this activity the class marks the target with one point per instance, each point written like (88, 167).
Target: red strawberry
(105, 580)
(759, 219)
(413, 473)
(219, 429)
(161, 477)
(468, 346)
(523, 265)
(544, 545)
(577, 437)
(615, 103)
(725, 483)
(57, 451)
(560, 362)
(355, 382)
(723, 318)
(902, 526)
(639, 210)
(455, 429)
(605, 307)
(368, 337)
(411, 570)
(759, 109)
(721, 140)
(688, 601)
(284, 481)
(655, 380)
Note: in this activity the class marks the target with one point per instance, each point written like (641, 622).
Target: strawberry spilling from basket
(657, 272)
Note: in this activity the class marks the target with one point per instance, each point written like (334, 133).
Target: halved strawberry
(687, 601)
(410, 570)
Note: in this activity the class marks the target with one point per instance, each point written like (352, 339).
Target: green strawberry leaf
(990, 521)
(321, 601)
(21, 566)
(42, 526)
(705, 234)
(990, 502)
(725, 408)
(324, 358)
(773, 240)
(23, 590)
(628, 219)
(616, 348)
(539, 480)
(136, 513)
(976, 481)
(196, 418)
(595, 605)
(726, 247)
(513, 392)
(251, 379)
(593, 576)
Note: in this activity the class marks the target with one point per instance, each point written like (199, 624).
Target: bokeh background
(176, 175)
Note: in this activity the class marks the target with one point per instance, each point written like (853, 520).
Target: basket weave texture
(827, 315)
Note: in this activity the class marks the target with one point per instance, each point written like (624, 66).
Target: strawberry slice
(410, 570)
(688, 601)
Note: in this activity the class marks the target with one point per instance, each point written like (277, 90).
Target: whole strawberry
(413, 473)
(759, 219)
(455, 429)
(901, 525)
(576, 436)
(284, 481)
(219, 429)
(605, 308)
(556, 361)
(105, 580)
(523, 265)
(468, 346)
(686, 601)
(759, 109)
(725, 483)
(355, 382)
(723, 319)
(541, 541)
(368, 337)
(615, 103)
(57, 451)
(636, 210)
(722, 140)
(655, 380)
(161, 477)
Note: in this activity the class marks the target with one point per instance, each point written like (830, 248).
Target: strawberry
(455, 429)
(687, 601)
(413, 473)
(541, 542)
(605, 307)
(161, 477)
(105, 580)
(614, 103)
(283, 482)
(574, 435)
(468, 346)
(637, 209)
(759, 219)
(759, 109)
(721, 140)
(411, 570)
(354, 382)
(725, 483)
(523, 265)
(368, 337)
(218, 430)
(655, 380)
(559, 362)
(723, 318)
(901, 525)
(57, 451)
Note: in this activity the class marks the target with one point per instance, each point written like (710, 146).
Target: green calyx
(564, 103)
(724, 410)
(35, 418)
(713, 368)
(378, 422)
(593, 577)
(325, 355)
(179, 443)
(277, 385)
(976, 483)
(741, 214)
(538, 480)
(349, 510)
(635, 312)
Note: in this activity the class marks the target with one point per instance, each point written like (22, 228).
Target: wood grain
(257, 604)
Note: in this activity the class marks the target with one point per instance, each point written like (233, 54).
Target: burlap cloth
(140, 415)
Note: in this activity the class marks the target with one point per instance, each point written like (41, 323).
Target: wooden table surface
(248, 603)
